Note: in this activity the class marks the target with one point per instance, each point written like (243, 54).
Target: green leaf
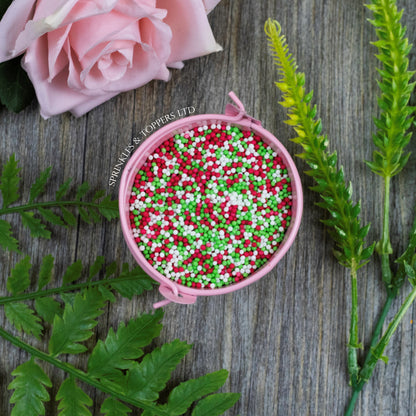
(9, 180)
(73, 401)
(82, 190)
(109, 208)
(72, 273)
(140, 282)
(16, 90)
(99, 194)
(7, 241)
(45, 273)
(147, 379)
(63, 189)
(37, 229)
(29, 390)
(96, 267)
(216, 404)
(116, 353)
(50, 216)
(112, 407)
(76, 324)
(23, 318)
(69, 217)
(19, 280)
(111, 269)
(182, 396)
(47, 308)
(84, 215)
(39, 186)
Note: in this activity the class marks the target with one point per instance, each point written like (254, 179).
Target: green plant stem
(351, 405)
(385, 245)
(81, 375)
(69, 288)
(353, 367)
(27, 207)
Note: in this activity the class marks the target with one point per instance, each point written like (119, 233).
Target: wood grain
(284, 338)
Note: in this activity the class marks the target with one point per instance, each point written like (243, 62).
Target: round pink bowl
(236, 116)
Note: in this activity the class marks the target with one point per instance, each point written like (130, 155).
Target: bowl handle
(170, 296)
(238, 111)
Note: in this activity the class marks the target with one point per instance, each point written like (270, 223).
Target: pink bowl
(236, 116)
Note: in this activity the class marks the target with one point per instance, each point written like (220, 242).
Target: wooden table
(284, 338)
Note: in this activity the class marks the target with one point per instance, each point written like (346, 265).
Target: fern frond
(344, 225)
(73, 400)
(396, 116)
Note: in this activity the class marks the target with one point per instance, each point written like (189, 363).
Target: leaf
(37, 229)
(73, 401)
(111, 269)
(112, 407)
(182, 396)
(147, 379)
(116, 353)
(23, 318)
(7, 241)
(72, 273)
(9, 180)
(39, 186)
(18, 280)
(96, 266)
(45, 273)
(216, 404)
(50, 216)
(47, 308)
(99, 194)
(29, 390)
(76, 323)
(109, 208)
(16, 90)
(82, 190)
(69, 217)
(63, 189)
(136, 286)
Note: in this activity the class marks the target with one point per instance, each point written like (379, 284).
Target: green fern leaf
(18, 280)
(109, 208)
(76, 323)
(182, 396)
(96, 267)
(49, 216)
(116, 353)
(216, 404)
(23, 318)
(29, 390)
(82, 190)
(7, 241)
(130, 288)
(69, 217)
(72, 273)
(112, 407)
(47, 308)
(147, 379)
(73, 401)
(9, 182)
(63, 190)
(39, 186)
(37, 229)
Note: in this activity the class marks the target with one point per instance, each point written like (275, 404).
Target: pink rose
(80, 53)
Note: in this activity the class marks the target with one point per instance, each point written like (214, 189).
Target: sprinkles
(210, 206)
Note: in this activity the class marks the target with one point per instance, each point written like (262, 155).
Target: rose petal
(191, 33)
(12, 23)
(210, 4)
(57, 58)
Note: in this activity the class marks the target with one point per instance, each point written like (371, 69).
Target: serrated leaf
(47, 308)
(72, 273)
(37, 229)
(19, 280)
(23, 318)
(69, 217)
(82, 190)
(96, 267)
(111, 269)
(99, 194)
(118, 350)
(107, 294)
(72, 400)
(29, 390)
(84, 215)
(147, 379)
(76, 323)
(38, 186)
(16, 90)
(112, 407)
(49, 216)
(63, 189)
(9, 181)
(45, 272)
(139, 282)
(7, 241)
(182, 396)
(216, 404)
(109, 208)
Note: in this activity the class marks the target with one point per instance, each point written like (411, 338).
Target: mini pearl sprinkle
(210, 206)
